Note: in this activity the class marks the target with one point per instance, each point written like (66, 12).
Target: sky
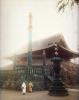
(46, 21)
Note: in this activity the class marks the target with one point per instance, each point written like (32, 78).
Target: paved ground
(42, 95)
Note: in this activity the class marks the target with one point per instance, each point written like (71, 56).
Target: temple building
(42, 52)
(44, 48)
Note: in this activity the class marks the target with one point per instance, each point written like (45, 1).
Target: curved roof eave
(47, 43)
(70, 52)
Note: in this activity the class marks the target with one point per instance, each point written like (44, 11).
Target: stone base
(57, 88)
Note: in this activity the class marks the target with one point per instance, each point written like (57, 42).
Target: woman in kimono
(30, 86)
(23, 86)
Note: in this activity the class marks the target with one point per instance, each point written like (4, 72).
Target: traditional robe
(30, 87)
(23, 88)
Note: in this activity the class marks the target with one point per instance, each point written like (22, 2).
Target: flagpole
(30, 41)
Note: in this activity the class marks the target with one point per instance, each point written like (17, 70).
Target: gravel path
(41, 95)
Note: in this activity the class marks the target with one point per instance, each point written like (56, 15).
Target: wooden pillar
(14, 62)
(44, 58)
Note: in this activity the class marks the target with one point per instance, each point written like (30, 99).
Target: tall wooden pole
(30, 41)
(78, 32)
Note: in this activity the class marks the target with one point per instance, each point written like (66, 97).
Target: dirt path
(41, 95)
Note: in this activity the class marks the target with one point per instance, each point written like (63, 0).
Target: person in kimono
(23, 87)
(30, 86)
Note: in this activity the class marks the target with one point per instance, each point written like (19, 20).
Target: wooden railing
(36, 73)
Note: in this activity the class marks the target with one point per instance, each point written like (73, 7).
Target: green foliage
(62, 4)
(11, 79)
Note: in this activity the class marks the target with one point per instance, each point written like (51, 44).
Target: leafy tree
(62, 4)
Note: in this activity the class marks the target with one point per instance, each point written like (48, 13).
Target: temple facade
(42, 52)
